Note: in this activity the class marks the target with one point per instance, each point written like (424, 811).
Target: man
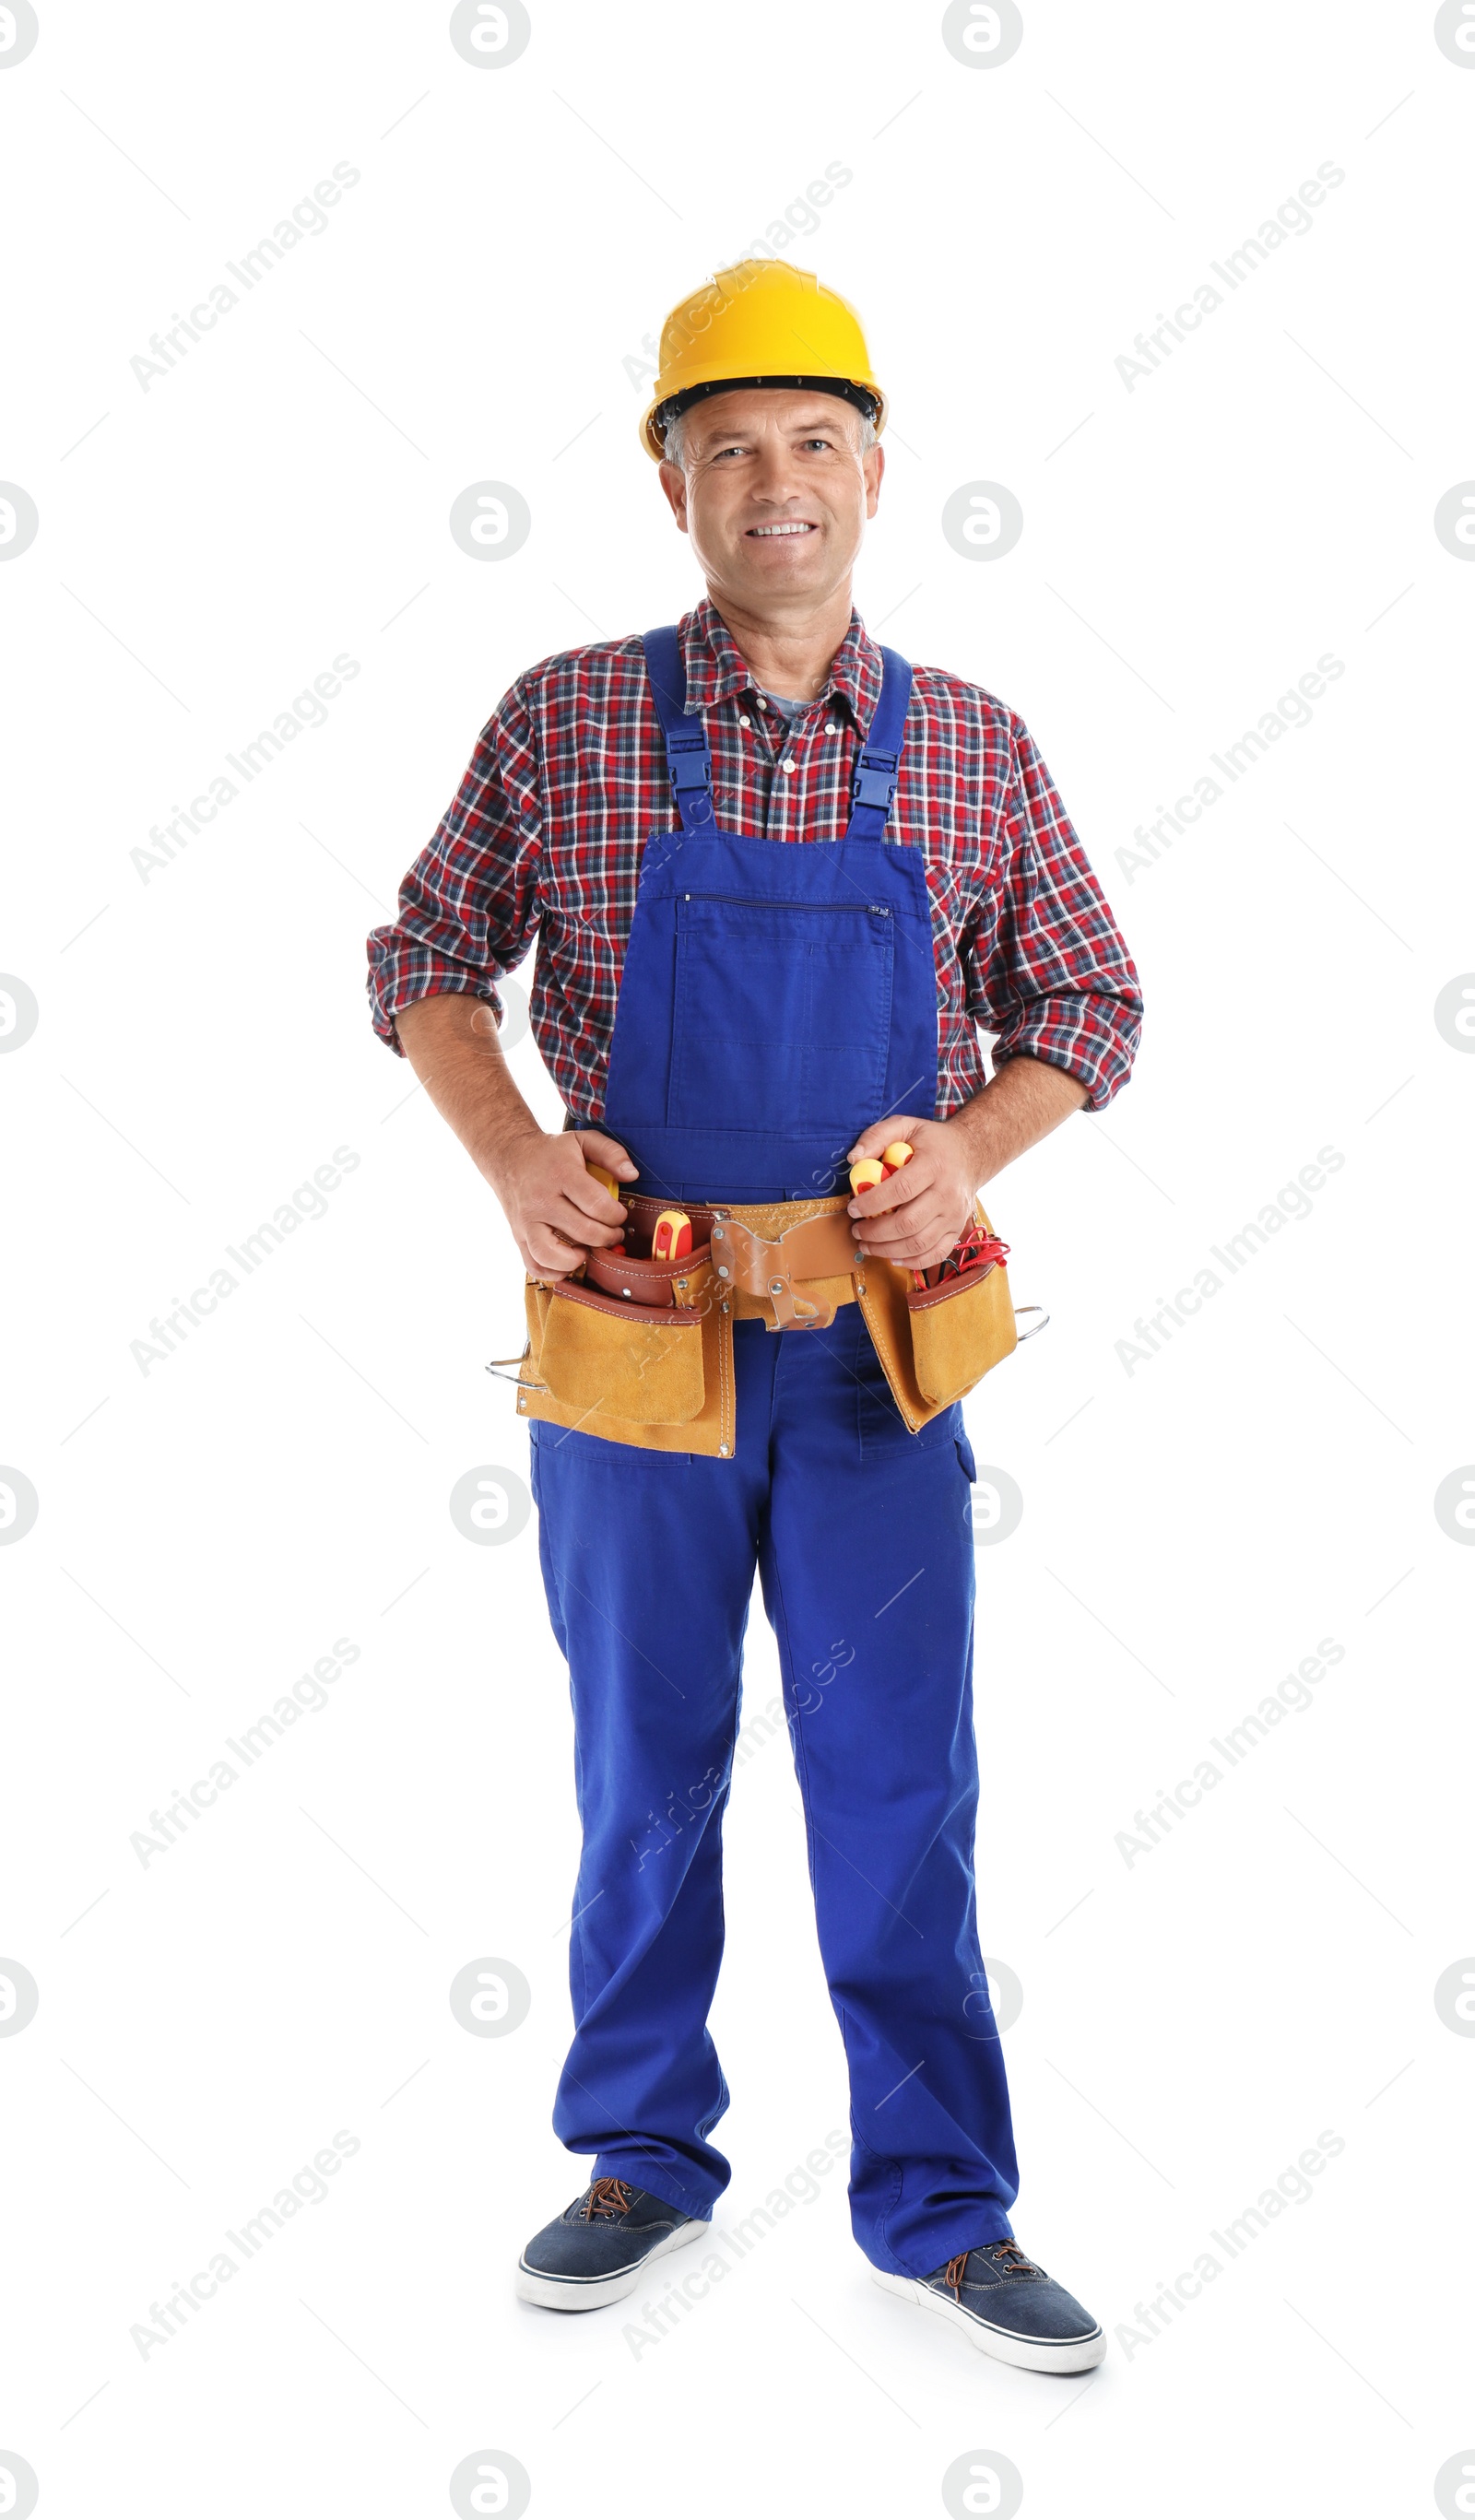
(778, 879)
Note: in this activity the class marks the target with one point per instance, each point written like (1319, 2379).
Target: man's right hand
(556, 1211)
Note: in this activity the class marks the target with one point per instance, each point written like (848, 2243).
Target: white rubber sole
(1026, 2353)
(594, 2292)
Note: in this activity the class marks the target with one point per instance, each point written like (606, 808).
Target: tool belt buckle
(744, 1259)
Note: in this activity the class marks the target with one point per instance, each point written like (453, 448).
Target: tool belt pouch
(639, 1362)
(960, 1329)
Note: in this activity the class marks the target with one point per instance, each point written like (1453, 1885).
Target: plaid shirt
(569, 777)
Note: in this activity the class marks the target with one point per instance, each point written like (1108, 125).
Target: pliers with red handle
(971, 1249)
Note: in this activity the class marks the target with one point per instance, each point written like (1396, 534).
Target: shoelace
(606, 2197)
(1011, 2258)
(1005, 2254)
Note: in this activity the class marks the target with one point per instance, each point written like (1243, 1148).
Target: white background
(1193, 1528)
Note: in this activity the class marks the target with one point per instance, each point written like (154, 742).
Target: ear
(673, 481)
(873, 465)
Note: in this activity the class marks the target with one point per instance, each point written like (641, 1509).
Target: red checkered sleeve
(1056, 981)
(470, 904)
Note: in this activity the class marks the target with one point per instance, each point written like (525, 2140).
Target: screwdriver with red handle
(672, 1236)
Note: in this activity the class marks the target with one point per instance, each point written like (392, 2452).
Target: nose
(776, 481)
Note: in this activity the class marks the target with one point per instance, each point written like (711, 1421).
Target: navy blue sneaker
(599, 2250)
(1008, 2306)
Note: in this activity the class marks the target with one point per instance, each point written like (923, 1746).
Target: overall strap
(872, 788)
(872, 791)
(687, 751)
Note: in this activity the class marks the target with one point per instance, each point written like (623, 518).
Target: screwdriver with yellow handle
(671, 1238)
(606, 1181)
(873, 1170)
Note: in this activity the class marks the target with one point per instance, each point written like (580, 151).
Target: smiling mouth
(767, 533)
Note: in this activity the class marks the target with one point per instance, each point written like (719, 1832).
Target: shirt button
(762, 702)
(743, 721)
(786, 765)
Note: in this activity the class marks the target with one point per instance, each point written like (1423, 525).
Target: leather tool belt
(751, 1251)
(640, 1350)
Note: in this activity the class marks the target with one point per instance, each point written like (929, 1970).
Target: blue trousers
(861, 1535)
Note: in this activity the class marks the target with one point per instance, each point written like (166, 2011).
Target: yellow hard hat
(761, 323)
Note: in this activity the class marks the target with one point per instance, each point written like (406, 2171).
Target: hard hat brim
(862, 394)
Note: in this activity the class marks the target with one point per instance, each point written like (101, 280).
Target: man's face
(774, 495)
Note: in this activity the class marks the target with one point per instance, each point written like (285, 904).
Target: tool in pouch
(959, 1309)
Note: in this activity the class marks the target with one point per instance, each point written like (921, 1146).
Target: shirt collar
(717, 669)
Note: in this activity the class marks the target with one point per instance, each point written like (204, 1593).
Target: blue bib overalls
(776, 998)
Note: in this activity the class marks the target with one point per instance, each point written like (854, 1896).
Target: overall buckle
(691, 767)
(875, 781)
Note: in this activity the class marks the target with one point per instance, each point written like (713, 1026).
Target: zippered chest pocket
(783, 1013)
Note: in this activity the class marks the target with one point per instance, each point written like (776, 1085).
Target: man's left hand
(915, 1218)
